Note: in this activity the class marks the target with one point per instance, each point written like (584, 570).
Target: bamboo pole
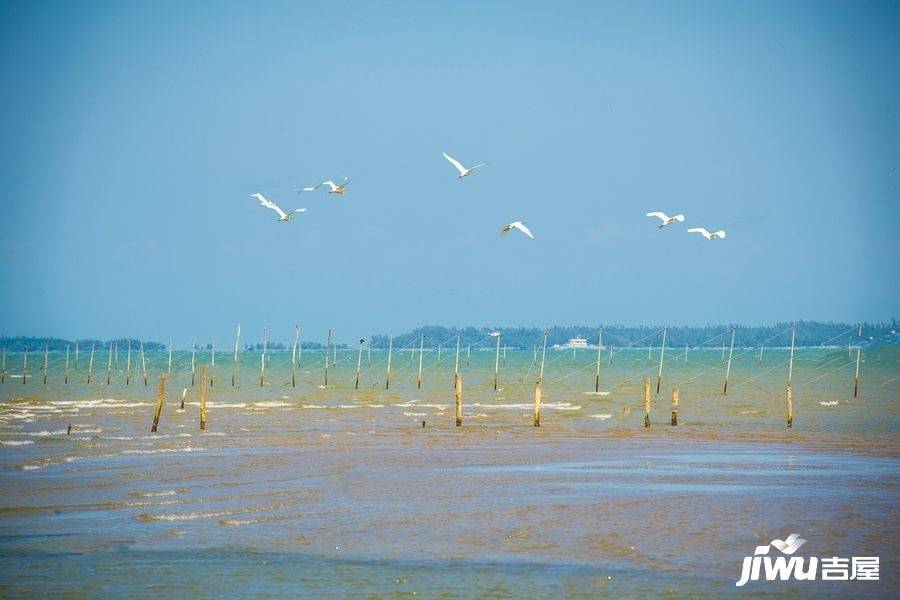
(610, 353)
(791, 364)
(262, 369)
(294, 357)
(537, 402)
(728, 368)
(213, 356)
(46, 361)
(456, 360)
(327, 346)
(193, 363)
(3, 368)
(183, 394)
(599, 352)
(234, 361)
(169, 365)
(359, 362)
(676, 396)
(760, 354)
(109, 363)
(160, 401)
(790, 406)
(203, 399)
(468, 354)
(116, 354)
(421, 347)
(856, 377)
(662, 354)
(128, 364)
(25, 366)
(65, 372)
(497, 361)
(646, 402)
(265, 345)
(143, 363)
(457, 394)
(649, 353)
(387, 380)
(90, 365)
(76, 355)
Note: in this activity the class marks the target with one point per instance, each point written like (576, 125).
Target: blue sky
(133, 134)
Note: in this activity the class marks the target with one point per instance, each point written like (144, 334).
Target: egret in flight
(517, 225)
(335, 188)
(282, 216)
(710, 236)
(666, 219)
(463, 172)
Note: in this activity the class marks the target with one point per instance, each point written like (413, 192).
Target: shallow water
(307, 489)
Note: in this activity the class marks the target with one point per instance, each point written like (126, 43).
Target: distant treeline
(18, 344)
(809, 333)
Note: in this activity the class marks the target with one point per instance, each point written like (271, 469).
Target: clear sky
(134, 132)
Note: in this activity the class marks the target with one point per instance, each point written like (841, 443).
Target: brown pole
(646, 402)
(457, 392)
(676, 396)
(160, 401)
(203, 399)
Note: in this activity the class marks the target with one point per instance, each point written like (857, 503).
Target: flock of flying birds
(335, 188)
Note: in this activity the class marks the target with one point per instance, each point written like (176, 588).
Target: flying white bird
(463, 172)
(710, 236)
(282, 216)
(335, 188)
(517, 225)
(308, 189)
(495, 334)
(666, 219)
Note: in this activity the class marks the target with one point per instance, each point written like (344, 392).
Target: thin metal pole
(387, 381)
(791, 366)
(421, 347)
(662, 354)
(728, 368)
(359, 362)
(497, 361)
(599, 353)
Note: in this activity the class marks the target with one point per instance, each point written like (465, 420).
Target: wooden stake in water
(160, 401)
(599, 351)
(128, 364)
(728, 368)
(143, 363)
(203, 399)
(760, 354)
(116, 355)
(856, 377)
(193, 356)
(109, 363)
(456, 360)
(457, 394)
(421, 348)
(610, 354)
(262, 369)
(573, 356)
(791, 364)
(662, 354)
(649, 352)
(234, 361)
(265, 344)
(76, 354)
(46, 356)
(294, 356)
(213, 356)
(65, 372)
(676, 396)
(790, 406)
(25, 366)
(387, 380)
(646, 402)
(537, 403)
(359, 362)
(327, 346)
(3, 368)
(497, 361)
(183, 394)
(90, 365)
(468, 354)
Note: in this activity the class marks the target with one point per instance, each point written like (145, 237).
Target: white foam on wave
(546, 405)
(829, 403)
(412, 414)
(220, 404)
(271, 404)
(16, 442)
(164, 450)
(601, 417)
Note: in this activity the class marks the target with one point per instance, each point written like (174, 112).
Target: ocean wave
(271, 404)
(16, 442)
(601, 417)
(829, 403)
(164, 450)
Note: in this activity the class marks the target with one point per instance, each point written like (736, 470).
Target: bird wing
(330, 184)
(296, 210)
(659, 215)
(521, 227)
(478, 166)
(269, 204)
(308, 189)
(455, 163)
(701, 231)
(679, 218)
(721, 233)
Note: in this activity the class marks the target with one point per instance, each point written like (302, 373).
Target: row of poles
(330, 352)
